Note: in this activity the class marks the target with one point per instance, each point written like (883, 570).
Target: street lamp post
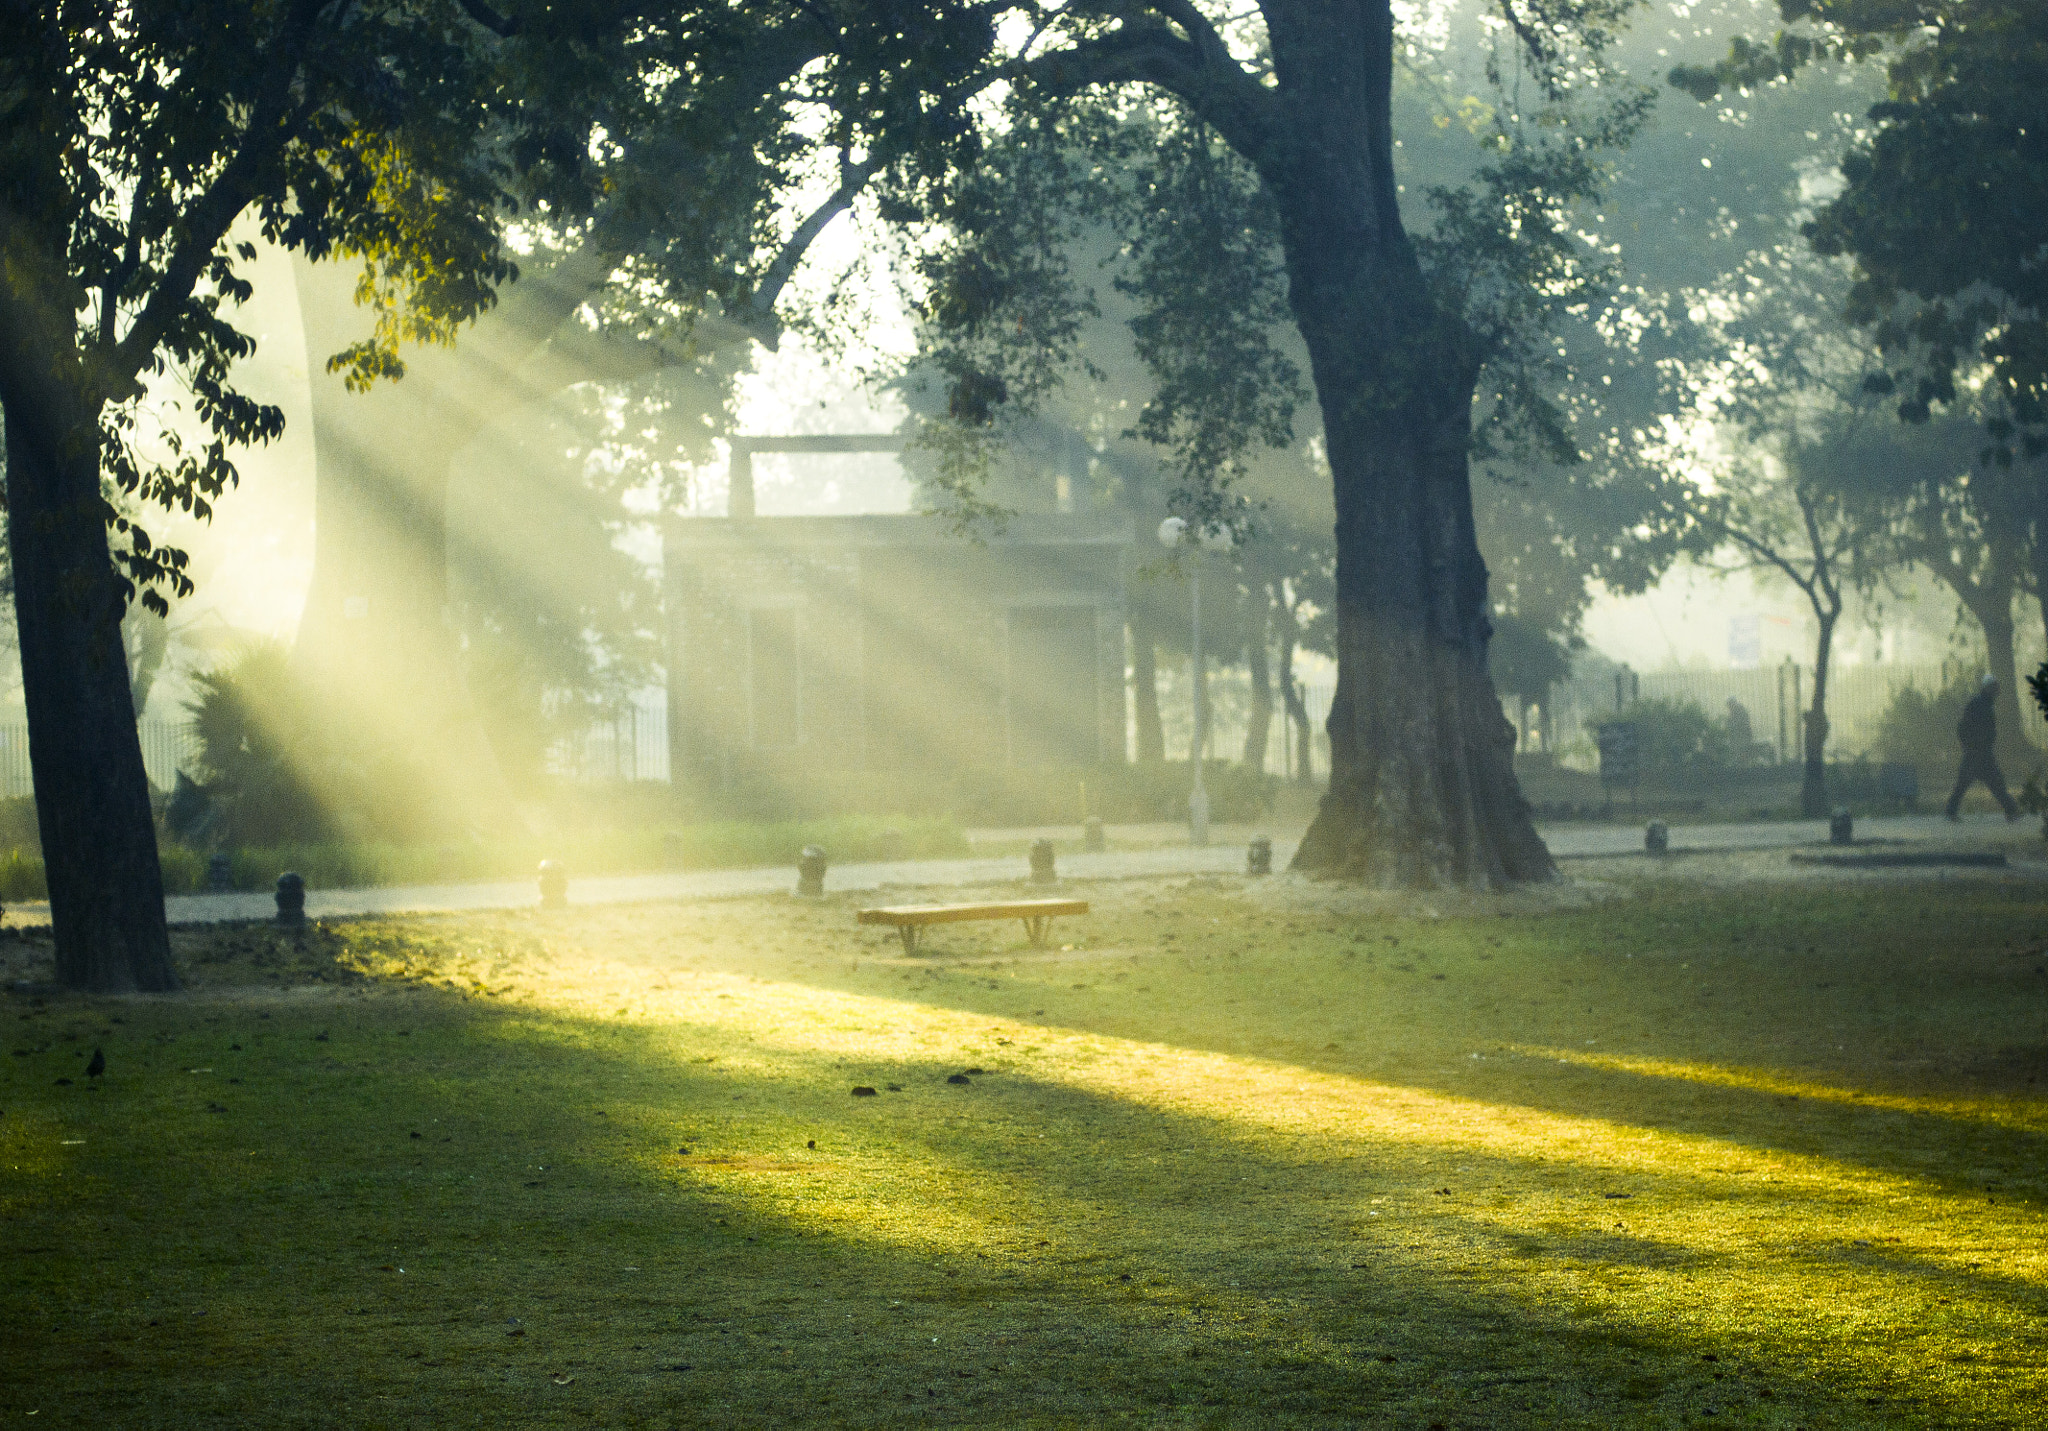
(1173, 533)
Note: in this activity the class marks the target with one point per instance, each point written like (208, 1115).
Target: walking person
(1978, 731)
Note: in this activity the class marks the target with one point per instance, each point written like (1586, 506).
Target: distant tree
(1775, 441)
(133, 137)
(1942, 207)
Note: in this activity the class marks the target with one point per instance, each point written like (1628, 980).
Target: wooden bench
(910, 919)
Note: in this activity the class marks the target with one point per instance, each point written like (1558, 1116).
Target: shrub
(1678, 739)
(1919, 727)
(278, 770)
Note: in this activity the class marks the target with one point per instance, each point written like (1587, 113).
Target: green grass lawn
(1762, 1155)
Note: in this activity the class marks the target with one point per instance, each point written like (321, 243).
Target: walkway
(1567, 842)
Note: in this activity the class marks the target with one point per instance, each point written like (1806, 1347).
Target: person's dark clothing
(1978, 731)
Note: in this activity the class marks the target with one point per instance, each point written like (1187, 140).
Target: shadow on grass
(541, 1254)
(1900, 969)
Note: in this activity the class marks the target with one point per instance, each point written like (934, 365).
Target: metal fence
(631, 744)
(167, 748)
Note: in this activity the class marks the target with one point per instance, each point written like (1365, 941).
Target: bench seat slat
(903, 914)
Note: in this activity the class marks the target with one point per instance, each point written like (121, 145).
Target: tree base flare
(1458, 821)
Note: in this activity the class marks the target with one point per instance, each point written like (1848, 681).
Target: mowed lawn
(1690, 1155)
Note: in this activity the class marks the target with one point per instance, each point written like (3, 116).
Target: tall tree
(1780, 441)
(1398, 333)
(132, 138)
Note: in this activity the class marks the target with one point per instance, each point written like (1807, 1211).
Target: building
(892, 642)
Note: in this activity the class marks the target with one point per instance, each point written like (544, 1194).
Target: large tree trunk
(1145, 690)
(1990, 602)
(92, 795)
(1813, 785)
(2037, 548)
(1259, 722)
(2000, 641)
(1422, 785)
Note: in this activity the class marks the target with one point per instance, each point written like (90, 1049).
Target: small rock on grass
(863, 1091)
(959, 1078)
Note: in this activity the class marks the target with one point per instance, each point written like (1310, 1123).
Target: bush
(1919, 727)
(1678, 739)
(720, 845)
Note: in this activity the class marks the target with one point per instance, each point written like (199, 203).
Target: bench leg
(908, 933)
(1035, 927)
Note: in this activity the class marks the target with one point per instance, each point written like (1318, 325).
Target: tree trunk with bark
(1259, 720)
(1813, 784)
(2001, 660)
(1988, 597)
(1422, 785)
(92, 794)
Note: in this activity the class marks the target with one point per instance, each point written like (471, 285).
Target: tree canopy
(1944, 202)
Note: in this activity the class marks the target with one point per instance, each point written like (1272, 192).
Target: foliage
(1945, 199)
(1182, 220)
(133, 137)
(1678, 738)
(729, 844)
(1919, 727)
(278, 768)
(257, 740)
(1005, 795)
(1526, 660)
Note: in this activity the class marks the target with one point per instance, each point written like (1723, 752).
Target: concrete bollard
(1258, 856)
(1841, 827)
(554, 885)
(1041, 862)
(1657, 838)
(810, 872)
(291, 900)
(1092, 838)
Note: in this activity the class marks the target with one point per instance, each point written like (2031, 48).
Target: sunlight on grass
(1638, 1225)
(2001, 1112)
(1230, 1161)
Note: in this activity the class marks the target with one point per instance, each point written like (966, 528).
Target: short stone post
(1092, 838)
(291, 900)
(554, 885)
(1041, 862)
(1258, 856)
(810, 872)
(1657, 838)
(1841, 827)
(220, 873)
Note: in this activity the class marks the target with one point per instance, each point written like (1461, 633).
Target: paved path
(1567, 842)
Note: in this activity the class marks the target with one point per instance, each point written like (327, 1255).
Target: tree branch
(1208, 80)
(759, 317)
(505, 27)
(232, 190)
